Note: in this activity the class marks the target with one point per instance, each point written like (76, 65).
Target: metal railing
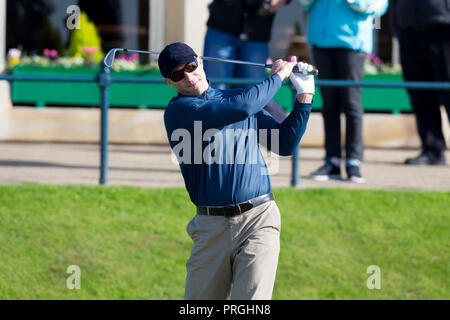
(104, 81)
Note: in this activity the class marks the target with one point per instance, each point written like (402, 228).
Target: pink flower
(128, 58)
(123, 57)
(90, 50)
(134, 57)
(14, 53)
(51, 53)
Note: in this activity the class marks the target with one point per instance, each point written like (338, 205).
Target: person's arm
(307, 4)
(291, 130)
(276, 111)
(219, 113)
(245, 103)
(368, 7)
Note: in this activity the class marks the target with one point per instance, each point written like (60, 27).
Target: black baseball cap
(172, 56)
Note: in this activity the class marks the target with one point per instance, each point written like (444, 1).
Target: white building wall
(196, 15)
(2, 34)
(157, 32)
(186, 22)
(5, 96)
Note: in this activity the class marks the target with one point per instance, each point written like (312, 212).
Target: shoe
(326, 172)
(353, 174)
(426, 159)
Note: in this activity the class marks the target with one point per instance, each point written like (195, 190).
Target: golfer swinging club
(236, 231)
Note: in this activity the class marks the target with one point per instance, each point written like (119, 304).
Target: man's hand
(303, 82)
(282, 68)
(276, 5)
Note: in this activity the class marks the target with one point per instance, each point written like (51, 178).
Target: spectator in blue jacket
(340, 32)
(423, 30)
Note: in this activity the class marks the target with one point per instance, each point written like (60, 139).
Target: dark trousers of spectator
(344, 64)
(425, 56)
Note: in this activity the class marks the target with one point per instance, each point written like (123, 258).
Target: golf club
(110, 56)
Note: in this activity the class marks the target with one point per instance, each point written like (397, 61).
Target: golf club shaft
(109, 59)
(313, 72)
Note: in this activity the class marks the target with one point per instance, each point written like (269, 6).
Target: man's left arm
(291, 130)
(369, 7)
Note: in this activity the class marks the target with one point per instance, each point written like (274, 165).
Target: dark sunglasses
(189, 67)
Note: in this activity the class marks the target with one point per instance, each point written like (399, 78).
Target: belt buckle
(246, 206)
(230, 211)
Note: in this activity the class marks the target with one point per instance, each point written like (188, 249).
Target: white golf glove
(303, 82)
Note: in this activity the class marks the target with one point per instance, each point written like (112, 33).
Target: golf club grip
(313, 72)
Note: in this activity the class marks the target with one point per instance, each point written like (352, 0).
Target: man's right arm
(237, 107)
(219, 113)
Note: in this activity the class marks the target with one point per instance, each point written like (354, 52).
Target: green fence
(65, 84)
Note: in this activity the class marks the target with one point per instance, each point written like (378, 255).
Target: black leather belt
(236, 209)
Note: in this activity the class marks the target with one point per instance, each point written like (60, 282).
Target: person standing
(340, 32)
(241, 30)
(423, 31)
(236, 231)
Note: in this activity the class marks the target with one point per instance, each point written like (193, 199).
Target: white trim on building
(5, 95)
(157, 34)
(2, 34)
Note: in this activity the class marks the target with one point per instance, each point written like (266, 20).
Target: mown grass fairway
(130, 243)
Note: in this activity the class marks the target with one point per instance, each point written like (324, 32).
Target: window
(37, 24)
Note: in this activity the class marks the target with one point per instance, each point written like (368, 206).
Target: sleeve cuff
(277, 78)
(303, 106)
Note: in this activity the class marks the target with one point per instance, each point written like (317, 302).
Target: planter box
(385, 99)
(142, 95)
(154, 95)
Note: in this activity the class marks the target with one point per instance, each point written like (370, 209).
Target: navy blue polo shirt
(216, 138)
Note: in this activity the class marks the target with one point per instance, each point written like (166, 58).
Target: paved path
(151, 165)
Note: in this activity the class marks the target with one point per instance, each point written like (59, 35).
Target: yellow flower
(14, 61)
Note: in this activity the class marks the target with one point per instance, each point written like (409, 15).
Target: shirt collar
(209, 93)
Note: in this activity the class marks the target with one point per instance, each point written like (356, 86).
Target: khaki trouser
(239, 252)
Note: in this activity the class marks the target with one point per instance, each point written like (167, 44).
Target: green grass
(130, 243)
